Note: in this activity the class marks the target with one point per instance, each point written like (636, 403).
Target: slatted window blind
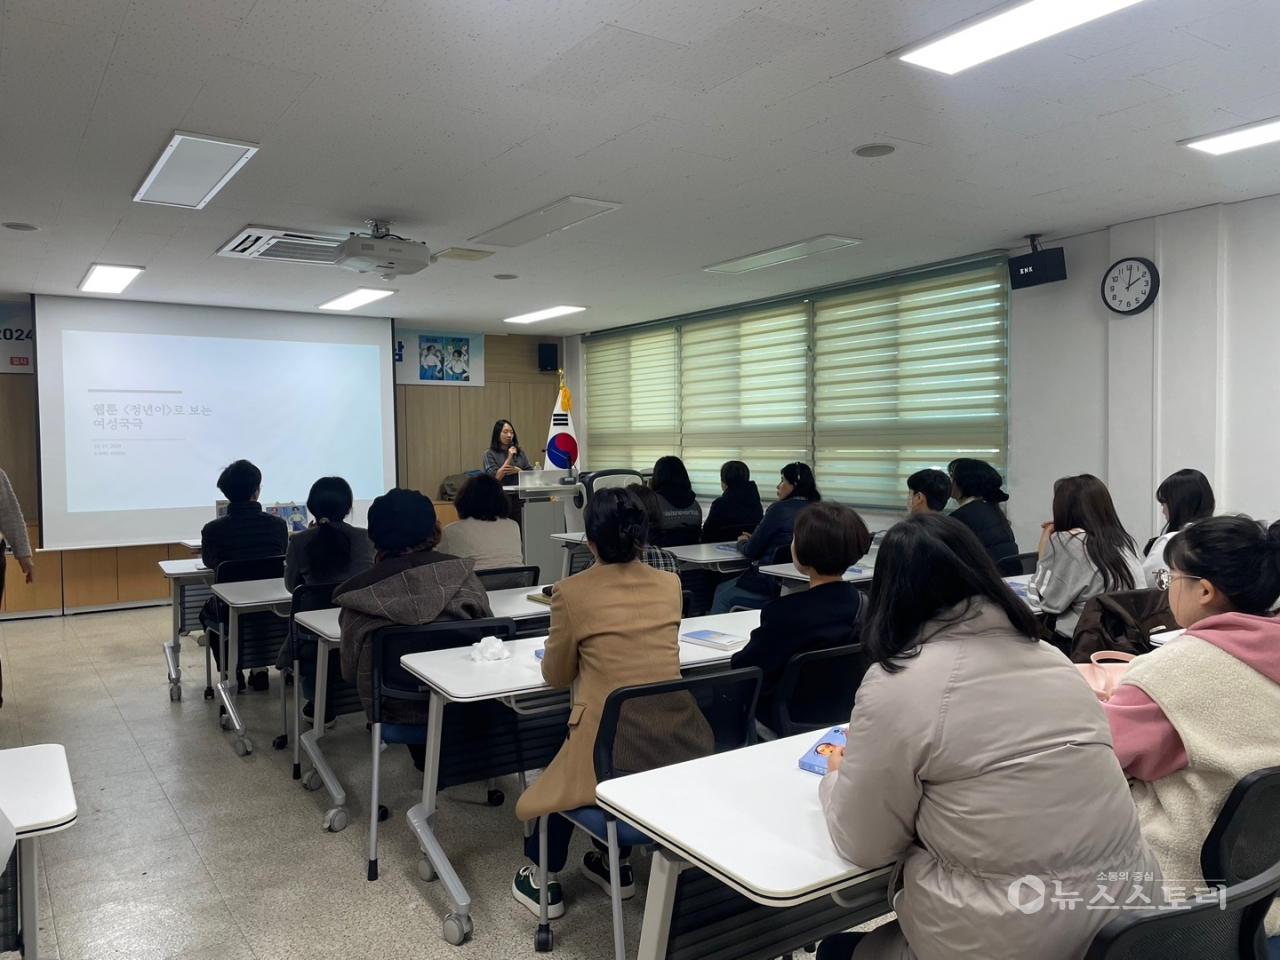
(909, 375)
(633, 399)
(868, 384)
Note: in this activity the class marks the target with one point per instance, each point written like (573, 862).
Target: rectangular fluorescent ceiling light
(1241, 138)
(546, 314)
(192, 169)
(792, 251)
(356, 298)
(1012, 28)
(104, 278)
(560, 215)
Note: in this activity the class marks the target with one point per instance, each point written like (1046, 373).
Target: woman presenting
(504, 459)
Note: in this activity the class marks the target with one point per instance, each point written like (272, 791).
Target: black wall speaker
(548, 357)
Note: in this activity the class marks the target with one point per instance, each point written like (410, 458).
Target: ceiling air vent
(272, 243)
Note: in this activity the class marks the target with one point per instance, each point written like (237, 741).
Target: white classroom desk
(862, 570)
(247, 596)
(512, 602)
(37, 797)
(715, 556)
(751, 818)
(189, 588)
(453, 677)
(192, 545)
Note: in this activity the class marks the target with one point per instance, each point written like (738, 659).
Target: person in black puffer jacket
(738, 509)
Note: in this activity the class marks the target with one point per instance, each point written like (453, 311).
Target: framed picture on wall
(434, 358)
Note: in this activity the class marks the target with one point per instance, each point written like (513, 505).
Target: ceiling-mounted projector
(383, 253)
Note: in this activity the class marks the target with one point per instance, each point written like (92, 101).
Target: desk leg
(173, 648)
(335, 818)
(421, 816)
(29, 891)
(227, 687)
(660, 900)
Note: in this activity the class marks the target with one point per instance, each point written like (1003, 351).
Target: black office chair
(1021, 565)
(626, 743)
(504, 578)
(686, 601)
(818, 688)
(392, 683)
(1245, 839)
(308, 596)
(258, 631)
(732, 531)
(1230, 928)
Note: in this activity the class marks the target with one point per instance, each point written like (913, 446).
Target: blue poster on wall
(434, 358)
(17, 337)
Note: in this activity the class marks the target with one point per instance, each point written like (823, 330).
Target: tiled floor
(183, 849)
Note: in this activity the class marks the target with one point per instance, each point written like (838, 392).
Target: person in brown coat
(409, 583)
(615, 624)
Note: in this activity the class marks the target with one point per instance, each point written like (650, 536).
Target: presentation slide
(142, 405)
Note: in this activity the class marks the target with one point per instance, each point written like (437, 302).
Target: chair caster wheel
(243, 746)
(544, 940)
(224, 722)
(425, 870)
(281, 741)
(457, 929)
(383, 813)
(312, 780)
(175, 692)
(208, 693)
(335, 820)
(496, 798)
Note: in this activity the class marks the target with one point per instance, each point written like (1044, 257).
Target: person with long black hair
(975, 756)
(330, 550)
(681, 512)
(504, 460)
(797, 488)
(1084, 551)
(1191, 718)
(975, 485)
(1184, 498)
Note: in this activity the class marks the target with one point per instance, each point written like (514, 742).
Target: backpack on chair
(1122, 621)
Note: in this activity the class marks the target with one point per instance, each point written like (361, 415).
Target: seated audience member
(681, 512)
(1084, 551)
(245, 533)
(410, 583)
(975, 756)
(738, 506)
(655, 557)
(330, 550)
(1194, 716)
(829, 538)
(615, 624)
(796, 490)
(975, 485)
(928, 491)
(482, 530)
(1184, 498)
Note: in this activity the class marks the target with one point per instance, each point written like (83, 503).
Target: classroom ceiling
(723, 127)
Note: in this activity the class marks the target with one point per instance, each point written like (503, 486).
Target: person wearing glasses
(1195, 715)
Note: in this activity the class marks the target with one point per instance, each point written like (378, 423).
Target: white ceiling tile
(679, 21)
(299, 35)
(600, 62)
(181, 38)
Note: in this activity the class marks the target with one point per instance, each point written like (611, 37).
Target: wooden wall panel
(18, 439)
(432, 447)
(138, 574)
(515, 359)
(89, 577)
(45, 593)
(531, 406)
(178, 552)
(480, 408)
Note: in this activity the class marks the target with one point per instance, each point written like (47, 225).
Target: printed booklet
(815, 761)
(714, 638)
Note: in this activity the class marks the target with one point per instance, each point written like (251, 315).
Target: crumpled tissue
(489, 648)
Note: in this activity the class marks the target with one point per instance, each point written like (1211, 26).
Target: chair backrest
(818, 688)
(732, 531)
(781, 554)
(1245, 839)
(1229, 928)
(1018, 566)
(313, 596)
(393, 682)
(653, 725)
(504, 578)
(240, 571)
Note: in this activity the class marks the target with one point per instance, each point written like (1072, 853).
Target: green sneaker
(525, 889)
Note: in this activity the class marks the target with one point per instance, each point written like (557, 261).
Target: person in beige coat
(979, 764)
(615, 624)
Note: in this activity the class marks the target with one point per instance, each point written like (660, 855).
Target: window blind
(744, 393)
(868, 384)
(906, 376)
(633, 399)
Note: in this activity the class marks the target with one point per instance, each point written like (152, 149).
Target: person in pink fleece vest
(1196, 715)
